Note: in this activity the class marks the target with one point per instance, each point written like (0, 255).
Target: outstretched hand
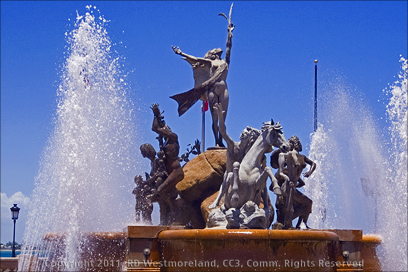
(176, 50)
(307, 174)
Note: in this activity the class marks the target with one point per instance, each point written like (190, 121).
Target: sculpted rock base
(202, 175)
(202, 178)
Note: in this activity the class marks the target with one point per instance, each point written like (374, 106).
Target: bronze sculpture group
(165, 173)
(243, 194)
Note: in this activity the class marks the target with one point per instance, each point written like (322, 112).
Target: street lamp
(14, 215)
(315, 98)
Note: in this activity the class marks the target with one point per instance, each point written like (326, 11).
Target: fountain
(372, 167)
(82, 185)
(87, 167)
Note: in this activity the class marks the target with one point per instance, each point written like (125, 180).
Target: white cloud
(18, 198)
(23, 202)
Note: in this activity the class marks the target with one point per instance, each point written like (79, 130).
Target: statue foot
(277, 225)
(288, 226)
(307, 227)
(221, 144)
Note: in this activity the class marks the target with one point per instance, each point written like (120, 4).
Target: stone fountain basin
(101, 251)
(246, 250)
(173, 248)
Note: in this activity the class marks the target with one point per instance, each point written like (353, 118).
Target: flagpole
(203, 127)
(315, 98)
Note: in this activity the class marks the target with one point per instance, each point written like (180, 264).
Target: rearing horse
(249, 182)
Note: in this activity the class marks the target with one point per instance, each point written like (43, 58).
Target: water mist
(85, 179)
(361, 176)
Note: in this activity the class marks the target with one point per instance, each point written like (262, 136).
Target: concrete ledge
(253, 234)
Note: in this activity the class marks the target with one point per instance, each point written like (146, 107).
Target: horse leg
(234, 201)
(223, 189)
(274, 186)
(261, 187)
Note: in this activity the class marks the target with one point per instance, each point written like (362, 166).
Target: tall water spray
(361, 178)
(392, 197)
(85, 179)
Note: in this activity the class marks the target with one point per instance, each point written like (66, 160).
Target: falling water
(392, 196)
(83, 181)
(317, 187)
(361, 178)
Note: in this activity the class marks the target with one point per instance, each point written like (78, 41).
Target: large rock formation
(203, 176)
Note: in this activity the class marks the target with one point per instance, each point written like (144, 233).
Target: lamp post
(14, 215)
(315, 98)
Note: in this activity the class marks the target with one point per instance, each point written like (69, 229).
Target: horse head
(273, 135)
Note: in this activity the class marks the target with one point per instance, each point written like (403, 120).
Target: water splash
(343, 150)
(393, 194)
(317, 186)
(361, 178)
(85, 178)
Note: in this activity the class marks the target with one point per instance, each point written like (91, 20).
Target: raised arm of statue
(164, 131)
(229, 43)
(191, 59)
(159, 125)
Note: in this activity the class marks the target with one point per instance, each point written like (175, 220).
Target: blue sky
(271, 74)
